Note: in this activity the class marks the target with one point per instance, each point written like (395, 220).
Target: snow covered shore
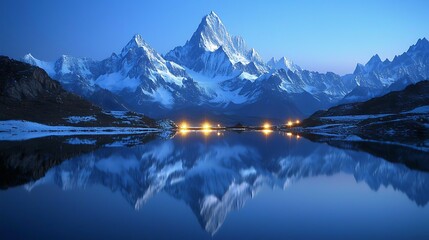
(15, 130)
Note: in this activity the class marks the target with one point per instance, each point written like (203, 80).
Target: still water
(217, 185)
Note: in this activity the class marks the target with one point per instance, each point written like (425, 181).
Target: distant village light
(297, 121)
(184, 126)
(289, 123)
(206, 126)
(267, 126)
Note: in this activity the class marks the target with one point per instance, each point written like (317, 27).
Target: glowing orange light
(297, 121)
(289, 134)
(267, 126)
(289, 123)
(298, 137)
(206, 126)
(184, 126)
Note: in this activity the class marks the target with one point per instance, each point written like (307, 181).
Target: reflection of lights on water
(206, 132)
(184, 128)
(289, 134)
(218, 133)
(266, 129)
(267, 132)
(206, 128)
(184, 132)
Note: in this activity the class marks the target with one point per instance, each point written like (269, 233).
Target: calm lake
(213, 185)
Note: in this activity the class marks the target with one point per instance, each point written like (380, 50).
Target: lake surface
(207, 185)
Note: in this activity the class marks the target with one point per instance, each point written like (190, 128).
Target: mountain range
(400, 117)
(217, 74)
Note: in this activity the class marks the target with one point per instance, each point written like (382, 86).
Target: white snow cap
(211, 33)
(28, 56)
(283, 63)
(135, 42)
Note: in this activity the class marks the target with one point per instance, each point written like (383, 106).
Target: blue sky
(317, 35)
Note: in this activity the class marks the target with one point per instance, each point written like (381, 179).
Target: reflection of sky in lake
(237, 185)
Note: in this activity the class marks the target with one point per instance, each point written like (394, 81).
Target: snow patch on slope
(212, 86)
(116, 82)
(16, 130)
(248, 76)
(79, 119)
(423, 109)
(283, 63)
(162, 96)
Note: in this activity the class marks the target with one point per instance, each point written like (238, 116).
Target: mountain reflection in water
(213, 172)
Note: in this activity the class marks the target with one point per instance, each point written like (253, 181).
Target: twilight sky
(320, 35)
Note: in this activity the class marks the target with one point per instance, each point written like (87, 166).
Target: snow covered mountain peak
(138, 40)
(254, 55)
(210, 34)
(283, 63)
(135, 42)
(374, 60)
(421, 45)
(373, 63)
(29, 57)
(377, 77)
(47, 66)
(212, 19)
(213, 51)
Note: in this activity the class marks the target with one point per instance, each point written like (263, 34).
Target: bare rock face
(20, 81)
